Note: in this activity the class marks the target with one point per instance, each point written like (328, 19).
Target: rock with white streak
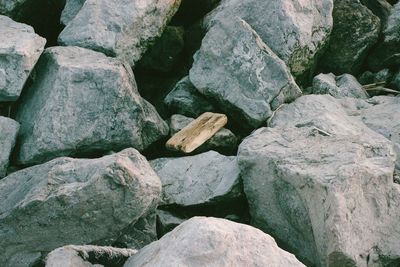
(8, 136)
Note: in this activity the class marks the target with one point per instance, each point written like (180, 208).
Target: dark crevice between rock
(191, 11)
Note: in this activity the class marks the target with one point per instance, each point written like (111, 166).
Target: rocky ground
(305, 173)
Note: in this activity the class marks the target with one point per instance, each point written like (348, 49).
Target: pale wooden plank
(197, 132)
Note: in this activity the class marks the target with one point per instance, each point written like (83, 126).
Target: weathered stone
(200, 179)
(8, 135)
(166, 52)
(10, 8)
(355, 31)
(295, 30)
(395, 82)
(344, 85)
(20, 48)
(74, 201)
(83, 102)
(369, 77)
(240, 72)
(381, 8)
(213, 242)
(71, 9)
(186, 100)
(125, 29)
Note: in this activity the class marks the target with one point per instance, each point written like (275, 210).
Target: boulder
(380, 8)
(355, 31)
(395, 82)
(83, 102)
(10, 8)
(20, 48)
(344, 85)
(71, 9)
(124, 29)
(8, 135)
(370, 77)
(74, 201)
(223, 141)
(211, 242)
(186, 100)
(297, 31)
(233, 54)
(197, 180)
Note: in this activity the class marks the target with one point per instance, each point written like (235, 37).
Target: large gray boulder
(8, 135)
(295, 30)
(213, 242)
(20, 48)
(83, 102)
(201, 179)
(71, 9)
(235, 68)
(124, 29)
(73, 201)
(355, 31)
(345, 85)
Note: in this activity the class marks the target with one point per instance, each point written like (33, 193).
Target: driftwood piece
(197, 132)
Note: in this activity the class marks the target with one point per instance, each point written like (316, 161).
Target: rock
(124, 29)
(198, 180)
(355, 31)
(8, 135)
(20, 49)
(10, 8)
(82, 256)
(380, 8)
(233, 54)
(186, 100)
(74, 201)
(223, 141)
(211, 242)
(344, 85)
(295, 31)
(166, 222)
(369, 77)
(86, 104)
(166, 52)
(395, 82)
(71, 9)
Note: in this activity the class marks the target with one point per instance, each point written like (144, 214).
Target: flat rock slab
(8, 136)
(20, 48)
(83, 102)
(73, 201)
(197, 132)
(213, 242)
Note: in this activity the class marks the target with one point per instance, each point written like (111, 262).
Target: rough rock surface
(199, 179)
(381, 8)
(355, 31)
(73, 201)
(10, 8)
(344, 85)
(233, 54)
(71, 9)
(120, 28)
(20, 48)
(223, 141)
(8, 135)
(186, 100)
(295, 30)
(202, 241)
(370, 77)
(86, 103)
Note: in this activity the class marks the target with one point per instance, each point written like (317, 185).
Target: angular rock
(85, 104)
(241, 73)
(200, 179)
(124, 29)
(325, 197)
(8, 135)
(20, 48)
(71, 9)
(186, 100)
(73, 201)
(295, 30)
(223, 141)
(344, 85)
(211, 242)
(355, 31)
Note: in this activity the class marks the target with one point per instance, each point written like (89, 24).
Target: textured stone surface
(370, 77)
(186, 100)
(20, 49)
(10, 8)
(240, 72)
(120, 28)
(355, 30)
(295, 30)
(71, 9)
(199, 179)
(381, 8)
(8, 135)
(344, 85)
(224, 140)
(83, 102)
(211, 242)
(74, 201)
